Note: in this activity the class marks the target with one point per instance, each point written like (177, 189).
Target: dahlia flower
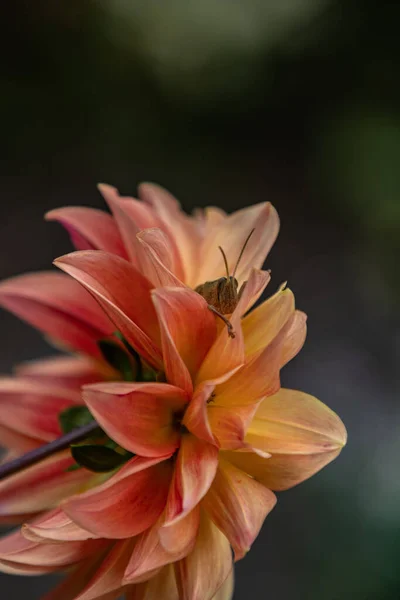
(206, 437)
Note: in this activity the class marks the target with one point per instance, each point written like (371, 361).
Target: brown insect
(222, 295)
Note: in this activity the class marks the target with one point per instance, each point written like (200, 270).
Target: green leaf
(99, 459)
(73, 467)
(74, 417)
(119, 359)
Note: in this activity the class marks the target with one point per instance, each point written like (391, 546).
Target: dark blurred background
(231, 103)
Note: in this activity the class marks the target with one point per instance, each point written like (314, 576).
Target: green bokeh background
(230, 103)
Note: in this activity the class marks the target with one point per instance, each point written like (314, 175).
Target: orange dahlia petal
(238, 506)
(89, 229)
(123, 293)
(205, 569)
(157, 260)
(264, 323)
(181, 229)
(195, 469)
(188, 330)
(231, 235)
(55, 526)
(59, 307)
(126, 504)
(138, 416)
(66, 371)
(42, 486)
(300, 432)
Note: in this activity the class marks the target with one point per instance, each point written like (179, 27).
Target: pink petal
(208, 218)
(42, 486)
(67, 371)
(187, 332)
(302, 434)
(195, 469)
(131, 217)
(180, 536)
(77, 579)
(21, 553)
(127, 504)
(59, 307)
(17, 443)
(181, 229)
(162, 585)
(256, 284)
(157, 259)
(32, 408)
(203, 571)
(238, 506)
(89, 228)
(109, 574)
(55, 526)
(231, 235)
(123, 293)
(150, 554)
(141, 417)
(196, 415)
(225, 356)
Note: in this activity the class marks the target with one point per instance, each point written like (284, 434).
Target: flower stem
(38, 454)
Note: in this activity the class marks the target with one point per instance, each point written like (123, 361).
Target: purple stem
(38, 454)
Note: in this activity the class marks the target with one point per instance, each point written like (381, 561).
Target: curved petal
(131, 217)
(187, 332)
(195, 468)
(302, 434)
(70, 372)
(209, 217)
(231, 235)
(225, 356)
(20, 552)
(229, 425)
(264, 323)
(203, 571)
(127, 504)
(54, 526)
(196, 415)
(181, 229)
(225, 592)
(123, 293)
(180, 537)
(150, 554)
(296, 423)
(32, 408)
(89, 228)
(59, 307)
(157, 259)
(109, 574)
(16, 443)
(238, 505)
(256, 284)
(42, 486)
(260, 376)
(162, 585)
(76, 580)
(141, 417)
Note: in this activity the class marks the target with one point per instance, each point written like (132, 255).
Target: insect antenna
(242, 250)
(225, 261)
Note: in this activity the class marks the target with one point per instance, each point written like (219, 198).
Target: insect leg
(231, 333)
